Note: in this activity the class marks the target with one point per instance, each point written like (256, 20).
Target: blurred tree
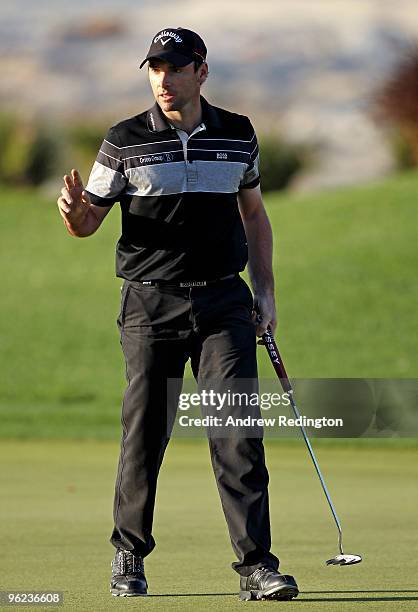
(396, 106)
(280, 162)
(83, 142)
(28, 154)
(42, 156)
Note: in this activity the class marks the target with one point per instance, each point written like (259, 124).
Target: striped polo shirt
(177, 193)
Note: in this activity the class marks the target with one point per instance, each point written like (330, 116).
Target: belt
(197, 283)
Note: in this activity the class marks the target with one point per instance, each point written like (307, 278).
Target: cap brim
(170, 56)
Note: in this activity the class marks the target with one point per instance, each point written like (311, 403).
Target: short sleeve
(251, 176)
(107, 179)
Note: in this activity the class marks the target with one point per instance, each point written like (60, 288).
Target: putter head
(344, 560)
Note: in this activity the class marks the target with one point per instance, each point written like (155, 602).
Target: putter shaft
(277, 362)
(318, 471)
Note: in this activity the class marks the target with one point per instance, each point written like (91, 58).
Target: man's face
(174, 87)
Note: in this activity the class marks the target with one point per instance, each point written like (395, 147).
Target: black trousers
(161, 328)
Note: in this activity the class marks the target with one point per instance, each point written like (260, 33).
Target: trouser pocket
(154, 310)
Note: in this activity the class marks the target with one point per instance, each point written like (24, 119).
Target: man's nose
(164, 78)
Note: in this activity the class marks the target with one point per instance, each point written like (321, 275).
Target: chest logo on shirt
(222, 156)
(151, 159)
(146, 159)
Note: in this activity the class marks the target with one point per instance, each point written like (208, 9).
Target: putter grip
(276, 360)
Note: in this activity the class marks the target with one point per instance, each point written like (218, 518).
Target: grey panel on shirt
(179, 177)
(105, 182)
(252, 173)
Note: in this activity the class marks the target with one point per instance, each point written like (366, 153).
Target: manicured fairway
(345, 265)
(55, 519)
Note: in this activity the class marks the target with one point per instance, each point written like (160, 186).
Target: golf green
(56, 517)
(345, 263)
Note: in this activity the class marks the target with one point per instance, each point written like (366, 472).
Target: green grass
(56, 519)
(345, 264)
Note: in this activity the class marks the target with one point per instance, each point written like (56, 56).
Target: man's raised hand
(74, 202)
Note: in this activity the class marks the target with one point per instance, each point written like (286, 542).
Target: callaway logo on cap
(177, 46)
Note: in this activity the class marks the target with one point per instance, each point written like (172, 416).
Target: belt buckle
(193, 284)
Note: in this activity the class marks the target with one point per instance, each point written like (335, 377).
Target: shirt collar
(157, 121)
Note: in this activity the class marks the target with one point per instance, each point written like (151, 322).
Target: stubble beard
(171, 106)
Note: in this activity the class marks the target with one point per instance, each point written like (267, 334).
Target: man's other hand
(264, 314)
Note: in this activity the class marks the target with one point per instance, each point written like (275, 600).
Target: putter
(276, 360)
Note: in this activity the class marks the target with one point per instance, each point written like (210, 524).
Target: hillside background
(306, 69)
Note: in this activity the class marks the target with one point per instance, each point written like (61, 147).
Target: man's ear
(204, 71)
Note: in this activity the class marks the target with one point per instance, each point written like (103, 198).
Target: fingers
(65, 193)
(260, 320)
(73, 191)
(273, 325)
(264, 316)
(261, 328)
(63, 205)
(263, 324)
(67, 203)
(85, 198)
(68, 182)
(76, 178)
(74, 181)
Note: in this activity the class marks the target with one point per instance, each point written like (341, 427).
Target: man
(186, 176)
